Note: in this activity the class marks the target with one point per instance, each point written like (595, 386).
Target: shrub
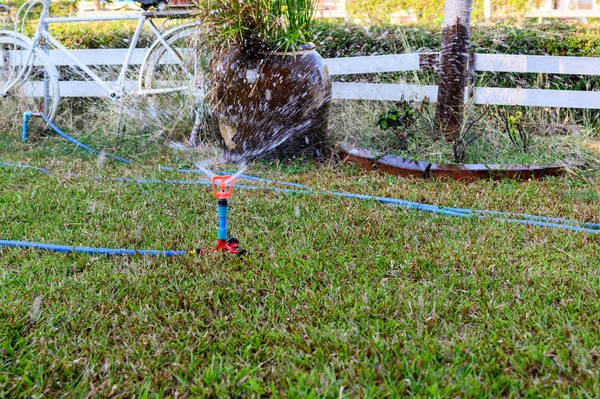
(94, 35)
(341, 39)
(432, 11)
(400, 119)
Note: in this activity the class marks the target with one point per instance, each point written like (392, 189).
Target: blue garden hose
(541, 221)
(469, 212)
(517, 218)
(21, 166)
(74, 141)
(447, 211)
(456, 212)
(89, 251)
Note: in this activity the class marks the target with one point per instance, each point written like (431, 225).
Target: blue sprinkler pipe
(222, 212)
(26, 117)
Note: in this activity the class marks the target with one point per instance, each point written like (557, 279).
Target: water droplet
(100, 160)
(252, 75)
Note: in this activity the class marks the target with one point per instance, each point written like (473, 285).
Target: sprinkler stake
(222, 190)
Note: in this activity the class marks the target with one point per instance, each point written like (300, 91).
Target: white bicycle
(170, 64)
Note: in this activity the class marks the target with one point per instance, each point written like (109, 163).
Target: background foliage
(57, 8)
(379, 11)
(340, 39)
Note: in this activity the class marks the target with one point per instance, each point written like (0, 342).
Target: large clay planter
(268, 104)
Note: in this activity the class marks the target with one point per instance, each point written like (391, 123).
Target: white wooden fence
(481, 95)
(399, 63)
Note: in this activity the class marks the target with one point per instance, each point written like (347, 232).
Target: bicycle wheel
(174, 77)
(21, 82)
(180, 67)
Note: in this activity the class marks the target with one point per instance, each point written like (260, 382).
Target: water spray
(223, 189)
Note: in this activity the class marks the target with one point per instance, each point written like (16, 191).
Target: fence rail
(481, 95)
(396, 63)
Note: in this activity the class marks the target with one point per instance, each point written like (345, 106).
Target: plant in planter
(270, 90)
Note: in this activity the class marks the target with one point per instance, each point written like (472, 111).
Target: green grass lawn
(338, 297)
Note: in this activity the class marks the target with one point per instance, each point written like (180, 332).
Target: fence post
(471, 76)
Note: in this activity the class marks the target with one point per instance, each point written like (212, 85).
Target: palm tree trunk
(453, 68)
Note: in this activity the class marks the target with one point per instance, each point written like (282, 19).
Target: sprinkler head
(222, 189)
(222, 186)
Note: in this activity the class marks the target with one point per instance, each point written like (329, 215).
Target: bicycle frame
(143, 18)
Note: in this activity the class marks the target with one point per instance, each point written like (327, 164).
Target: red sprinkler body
(222, 190)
